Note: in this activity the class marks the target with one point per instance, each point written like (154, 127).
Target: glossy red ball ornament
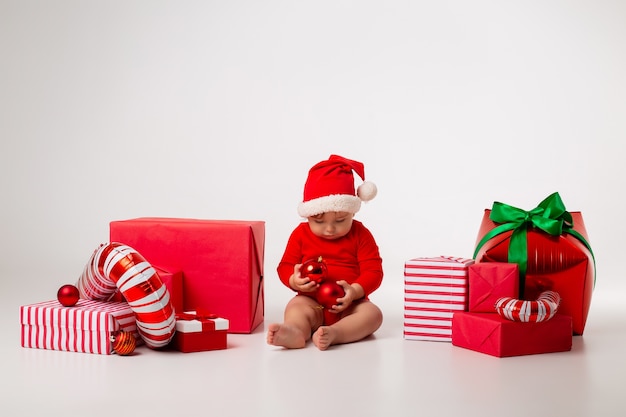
(123, 343)
(328, 292)
(68, 295)
(314, 269)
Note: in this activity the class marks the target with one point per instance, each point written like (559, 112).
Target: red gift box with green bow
(551, 247)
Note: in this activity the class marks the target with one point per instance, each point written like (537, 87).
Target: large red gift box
(558, 263)
(488, 281)
(494, 335)
(434, 288)
(173, 281)
(86, 327)
(221, 261)
(197, 333)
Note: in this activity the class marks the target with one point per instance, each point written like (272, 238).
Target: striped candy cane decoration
(525, 311)
(115, 265)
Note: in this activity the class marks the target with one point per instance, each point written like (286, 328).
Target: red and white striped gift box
(86, 327)
(434, 288)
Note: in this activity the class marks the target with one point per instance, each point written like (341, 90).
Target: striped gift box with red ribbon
(85, 327)
(434, 288)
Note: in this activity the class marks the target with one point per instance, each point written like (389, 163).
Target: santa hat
(330, 187)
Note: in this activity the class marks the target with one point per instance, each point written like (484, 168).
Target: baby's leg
(302, 315)
(363, 320)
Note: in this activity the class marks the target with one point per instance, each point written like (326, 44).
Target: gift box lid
(440, 262)
(85, 315)
(191, 322)
(216, 230)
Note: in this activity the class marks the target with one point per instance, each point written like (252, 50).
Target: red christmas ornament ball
(314, 269)
(68, 295)
(328, 292)
(123, 343)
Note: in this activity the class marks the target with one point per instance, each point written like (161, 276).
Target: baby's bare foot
(324, 337)
(285, 335)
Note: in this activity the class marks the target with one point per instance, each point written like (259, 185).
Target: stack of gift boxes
(213, 272)
(519, 255)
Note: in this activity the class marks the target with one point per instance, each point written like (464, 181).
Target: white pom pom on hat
(367, 191)
(330, 187)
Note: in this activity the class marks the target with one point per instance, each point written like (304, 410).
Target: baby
(350, 254)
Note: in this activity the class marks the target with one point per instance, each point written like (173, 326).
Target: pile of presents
(492, 303)
(209, 282)
(205, 278)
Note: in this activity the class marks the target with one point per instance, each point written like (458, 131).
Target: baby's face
(331, 225)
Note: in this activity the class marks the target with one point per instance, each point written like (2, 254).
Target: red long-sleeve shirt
(353, 257)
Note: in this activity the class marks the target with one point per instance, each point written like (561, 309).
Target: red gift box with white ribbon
(86, 327)
(434, 288)
(197, 332)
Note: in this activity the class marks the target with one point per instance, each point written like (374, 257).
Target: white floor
(385, 375)
(215, 109)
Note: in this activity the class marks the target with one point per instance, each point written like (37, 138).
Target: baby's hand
(301, 284)
(345, 301)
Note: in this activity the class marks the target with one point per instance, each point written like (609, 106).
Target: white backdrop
(216, 110)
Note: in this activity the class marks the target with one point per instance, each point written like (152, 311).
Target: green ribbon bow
(549, 216)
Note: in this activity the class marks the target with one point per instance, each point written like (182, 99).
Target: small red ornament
(123, 343)
(314, 269)
(328, 292)
(68, 295)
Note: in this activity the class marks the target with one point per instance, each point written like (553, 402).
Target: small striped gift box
(434, 288)
(86, 327)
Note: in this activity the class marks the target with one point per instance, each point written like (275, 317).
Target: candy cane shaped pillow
(117, 266)
(541, 309)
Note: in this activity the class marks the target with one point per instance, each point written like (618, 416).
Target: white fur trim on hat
(335, 202)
